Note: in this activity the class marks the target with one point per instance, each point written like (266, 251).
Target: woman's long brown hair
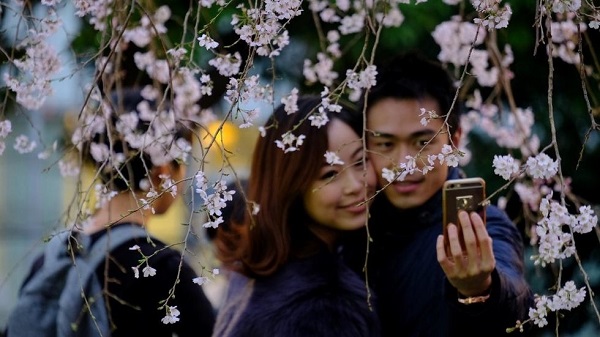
(262, 243)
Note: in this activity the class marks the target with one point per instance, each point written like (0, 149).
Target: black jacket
(316, 296)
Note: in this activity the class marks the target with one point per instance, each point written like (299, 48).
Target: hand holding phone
(466, 194)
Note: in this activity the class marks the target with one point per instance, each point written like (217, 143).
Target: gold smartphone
(462, 194)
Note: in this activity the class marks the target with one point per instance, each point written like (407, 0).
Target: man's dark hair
(412, 76)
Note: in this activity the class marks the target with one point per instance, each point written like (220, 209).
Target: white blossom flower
(68, 168)
(449, 155)
(352, 23)
(200, 280)
(505, 166)
(168, 184)
(255, 208)
(103, 195)
(539, 314)
(586, 220)
(290, 102)
(172, 316)
(289, 142)
(136, 272)
(148, 271)
(100, 152)
(207, 42)
(5, 128)
(228, 65)
(321, 72)
(332, 158)
(134, 247)
(388, 175)
(213, 223)
(569, 297)
(262, 131)
(541, 166)
(319, 119)
(24, 145)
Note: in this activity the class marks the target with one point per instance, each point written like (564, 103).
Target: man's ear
(456, 137)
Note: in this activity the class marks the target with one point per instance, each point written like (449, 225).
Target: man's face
(395, 131)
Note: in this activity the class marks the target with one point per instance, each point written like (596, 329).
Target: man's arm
(507, 296)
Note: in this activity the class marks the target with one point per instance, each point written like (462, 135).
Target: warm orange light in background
(226, 134)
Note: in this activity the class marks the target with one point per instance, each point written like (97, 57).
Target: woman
(288, 278)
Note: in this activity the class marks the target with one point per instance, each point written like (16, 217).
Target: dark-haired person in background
(477, 289)
(136, 167)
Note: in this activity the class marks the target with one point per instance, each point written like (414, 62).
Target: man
(478, 287)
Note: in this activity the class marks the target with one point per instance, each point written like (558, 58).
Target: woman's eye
(328, 175)
(361, 161)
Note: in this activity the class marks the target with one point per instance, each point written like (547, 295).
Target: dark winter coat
(415, 299)
(316, 296)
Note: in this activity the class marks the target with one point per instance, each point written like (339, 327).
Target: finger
(485, 242)
(456, 251)
(468, 235)
(446, 263)
(470, 243)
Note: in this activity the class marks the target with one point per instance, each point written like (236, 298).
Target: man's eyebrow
(416, 134)
(424, 132)
(374, 133)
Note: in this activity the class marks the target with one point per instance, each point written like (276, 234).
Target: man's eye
(384, 145)
(422, 142)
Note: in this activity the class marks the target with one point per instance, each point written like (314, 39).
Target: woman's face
(336, 198)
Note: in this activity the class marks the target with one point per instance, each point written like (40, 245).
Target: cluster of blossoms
(565, 36)
(318, 118)
(458, 41)
(357, 82)
(248, 89)
(510, 130)
(261, 27)
(554, 242)
(96, 10)
(566, 298)
(213, 202)
(35, 70)
(449, 156)
(349, 17)
(492, 16)
(537, 167)
(149, 131)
